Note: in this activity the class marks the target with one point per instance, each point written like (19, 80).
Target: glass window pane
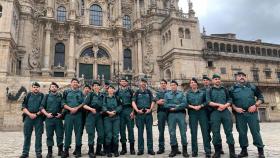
(95, 15)
(61, 14)
(59, 56)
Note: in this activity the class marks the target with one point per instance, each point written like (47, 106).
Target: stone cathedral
(56, 40)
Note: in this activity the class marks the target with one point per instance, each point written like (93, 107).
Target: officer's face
(206, 82)
(193, 84)
(143, 84)
(75, 84)
(53, 88)
(241, 78)
(86, 90)
(96, 88)
(173, 86)
(111, 90)
(216, 81)
(123, 83)
(163, 85)
(35, 89)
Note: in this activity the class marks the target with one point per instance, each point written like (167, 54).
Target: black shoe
(91, 151)
(177, 150)
(49, 155)
(194, 154)
(217, 153)
(116, 150)
(243, 153)
(98, 151)
(132, 150)
(160, 151)
(151, 152)
(60, 150)
(173, 152)
(78, 151)
(23, 156)
(232, 151)
(140, 152)
(124, 150)
(208, 155)
(185, 151)
(65, 154)
(261, 153)
(39, 156)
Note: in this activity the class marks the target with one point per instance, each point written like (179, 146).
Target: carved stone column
(46, 68)
(139, 54)
(120, 54)
(71, 58)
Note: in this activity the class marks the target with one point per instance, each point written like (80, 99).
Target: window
(222, 47)
(255, 75)
(169, 35)
(275, 53)
(95, 15)
(269, 52)
(87, 53)
(58, 74)
(216, 47)
(278, 76)
(228, 48)
(258, 51)
(61, 14)
(263, 52)
(210, 45)
(210, 64)
(267, 72)
(241, 49)
(59, 54)
(247, 50)
(127, 22)
(1, 9)
(234, 48)
(278, 53)
(223, 70)
(127, 59)
(187, 34)
(101, 53)
(253, 50)
(181, 33)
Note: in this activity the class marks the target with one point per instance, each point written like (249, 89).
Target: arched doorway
(93, 65)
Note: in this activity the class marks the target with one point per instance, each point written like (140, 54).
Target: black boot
(173, 152)
(60, 150)
(65, 154)
(222, 150)
(177, 150)
(160, 151)
(151, 152)
(217, 153)
(232, 151)
(108, 150)
(91, 151)
(49, 155)
(243, 153)
(23, 156)
(185, 151)
(99, 151)
(116, 150)
(124, 151)
(39, 155)
(78, 151)
(132, 150)
(261, 153)
(75, 151)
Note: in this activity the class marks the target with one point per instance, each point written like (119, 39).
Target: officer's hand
(93, 111)
(59, 115)
(222, 107)
(198, 107)
(239, 110)
(73, 110)
(148, 111)
(132, 116)
(252, 109)
(139, 111)
(49, 115)
(32, 116)
(160, 102)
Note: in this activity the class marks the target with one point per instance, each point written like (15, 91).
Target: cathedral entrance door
(86, 70)
(104, 70)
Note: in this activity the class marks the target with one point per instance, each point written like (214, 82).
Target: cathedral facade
(55, 40)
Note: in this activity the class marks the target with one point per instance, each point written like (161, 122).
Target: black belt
(180, 111)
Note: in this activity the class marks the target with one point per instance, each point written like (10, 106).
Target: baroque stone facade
(55, 40)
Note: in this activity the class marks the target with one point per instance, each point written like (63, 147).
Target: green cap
(106, 82)
(95, 82)
(216, 76)
(206, 77)
(36, 84)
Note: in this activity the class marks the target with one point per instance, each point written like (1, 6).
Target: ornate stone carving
(34, 58)
(103, 60)
(148, 64)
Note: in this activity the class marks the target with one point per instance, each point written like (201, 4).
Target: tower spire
(191, 11)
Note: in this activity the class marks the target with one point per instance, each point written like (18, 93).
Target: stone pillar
(120, 54)
(138, 9)
(71, 58)
(46, 68)
(139, 54)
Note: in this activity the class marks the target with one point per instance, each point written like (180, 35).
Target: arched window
(209, 45)
(274, 52)
(222, 47)
(127, 59)
(87, 53)
(61, 14)
(253, 50)
(216, 46)
(269, 52)
(228, 48)
(234, 48)
(240, 49)
(279, 53)
(101, 53)
(127, 22)
(59, 56)
(1, 10)
(247, 50)
(181, 32)
(258, 51)
(263, 52)
(187, 34)
(95, 15)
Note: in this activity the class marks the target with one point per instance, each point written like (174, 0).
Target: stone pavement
(11, 143)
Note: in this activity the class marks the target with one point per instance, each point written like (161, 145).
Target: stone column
(71, 58)
(120, 54)
(139, 54)
(46, 68)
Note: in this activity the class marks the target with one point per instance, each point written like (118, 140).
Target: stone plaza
(11, 143)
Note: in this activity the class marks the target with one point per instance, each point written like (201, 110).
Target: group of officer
(109, 112)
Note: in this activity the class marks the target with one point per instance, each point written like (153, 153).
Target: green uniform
(162, 118)
(143, 100)
(32, 103)
(52, 103)
(220, 95)
(94, 121)
(125, 95)
(208, 111)
(243, 96)
(177, 100)
(111, 124)
(198, 98)
(73, 98)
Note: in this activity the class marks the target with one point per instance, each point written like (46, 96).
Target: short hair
(75, 79)
(87, 86)
(173, 81)
(163, 80)
(195, 80)
(55, 84)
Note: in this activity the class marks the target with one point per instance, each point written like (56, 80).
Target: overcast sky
(249, 19)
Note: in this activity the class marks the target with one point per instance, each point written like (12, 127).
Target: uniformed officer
(218, 98)
(93, 104)
(161, 114)
(143, 105)
(246, 106)
(207, 85)
(126, 116)
(196, 103)
(32, 118)
(175, 104)
(111, 108)
(51, 107)
(72, 102)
